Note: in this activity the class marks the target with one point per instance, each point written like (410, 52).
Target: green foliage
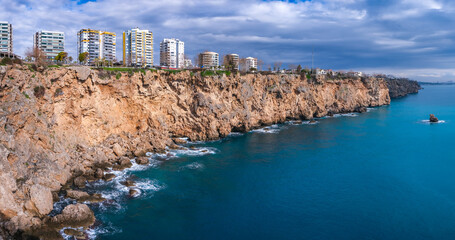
(299, 69)
(26, 95)
(218, 72)
(54, 66)
(33, 76)
(61, 56)
(83, 57)
(6, 61)
(172, 71)
(118, 76)
(39, 91)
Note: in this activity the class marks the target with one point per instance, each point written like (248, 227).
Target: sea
(384, 174)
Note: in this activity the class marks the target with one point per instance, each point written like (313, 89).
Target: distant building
(6, 38)
(50, 42)
(138, 48)
(188, 64)
(321, 71)
(231, 60)
(355, 74)
(209, 60)
(251, 63)
(98, 44)
(172, 53)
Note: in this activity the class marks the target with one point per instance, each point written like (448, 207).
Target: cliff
(402, 87)
(60, 123)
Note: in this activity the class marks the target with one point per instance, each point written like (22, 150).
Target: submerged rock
(128, 183)
(433, 119)
(134, 192)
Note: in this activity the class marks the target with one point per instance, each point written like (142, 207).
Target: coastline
(153, 133)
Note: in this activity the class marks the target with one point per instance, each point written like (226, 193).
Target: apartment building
(50, 42)
(188, 64)
(231, 61)
(98, 45)
(172, 53)
(209, 60)
(6, 38)
(251, 63)
(138, 48)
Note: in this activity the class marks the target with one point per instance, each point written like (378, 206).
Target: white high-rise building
(138, 48)
(6, 38)
(251, 63)
(172, 53)
(98, 44)
(209, 60)
(50, 42)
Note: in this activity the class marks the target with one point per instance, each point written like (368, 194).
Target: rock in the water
(75, 233)
(80, 181)
(75, 215)
(433, 119)
(109, 177)
(128, 183)
(179, 141)
(142, 160)
(361, 109)
(134, 193)
(76, 194)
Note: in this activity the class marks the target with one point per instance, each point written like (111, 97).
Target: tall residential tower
(172, 53)
(6, 38)
(98, 44)
(209, 60)
(51, 43)
(138, 48)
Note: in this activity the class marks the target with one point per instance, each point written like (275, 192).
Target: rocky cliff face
(63, 123)
(402, 87)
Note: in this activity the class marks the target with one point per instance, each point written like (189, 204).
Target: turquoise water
(384, 174)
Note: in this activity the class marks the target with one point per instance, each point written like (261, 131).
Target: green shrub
(118, 76)
(26, 95)
(6, 61)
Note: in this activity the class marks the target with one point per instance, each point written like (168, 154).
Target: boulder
(433, 119)
(128, 183)
(179, 141)
(360, 109)
(76, 194)
(142, 160)
(41, 197)
(80, 181)
(134, 192)
(108, 177)
(118, 150)
(75, 215)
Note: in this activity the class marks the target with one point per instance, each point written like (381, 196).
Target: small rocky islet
(52, 145)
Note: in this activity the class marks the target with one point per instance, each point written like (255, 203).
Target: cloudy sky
(413, 38)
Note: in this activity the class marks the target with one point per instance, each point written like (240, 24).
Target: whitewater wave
(270, 129)
(194, 166)
(345, 115)
(428, 122)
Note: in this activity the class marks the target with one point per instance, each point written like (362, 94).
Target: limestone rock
(142, 160)
(433, 119)
(75, 215)
(41, 197)
(118, 150)
(80, 181)
(76, 194)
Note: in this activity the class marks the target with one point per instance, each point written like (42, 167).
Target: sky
(406, 38)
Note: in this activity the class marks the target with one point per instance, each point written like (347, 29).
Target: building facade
(6, 38)
(138, 48)
(172, 53)
(188, 64)
(98, 45)
(50, 42)
(209, 60)
(231, 61)
(251, 63)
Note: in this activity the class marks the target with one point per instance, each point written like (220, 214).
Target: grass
(217, 72)
(53, 66)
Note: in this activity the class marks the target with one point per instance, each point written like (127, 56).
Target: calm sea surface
(385, 174)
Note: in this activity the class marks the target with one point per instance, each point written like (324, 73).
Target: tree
(243, 65)
(260, 64)
(37, 55)
(70, 59)
(277, 66)
(61, 57)
(299, 69)
(83, 57)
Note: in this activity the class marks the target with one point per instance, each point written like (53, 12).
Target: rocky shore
(63, 127)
